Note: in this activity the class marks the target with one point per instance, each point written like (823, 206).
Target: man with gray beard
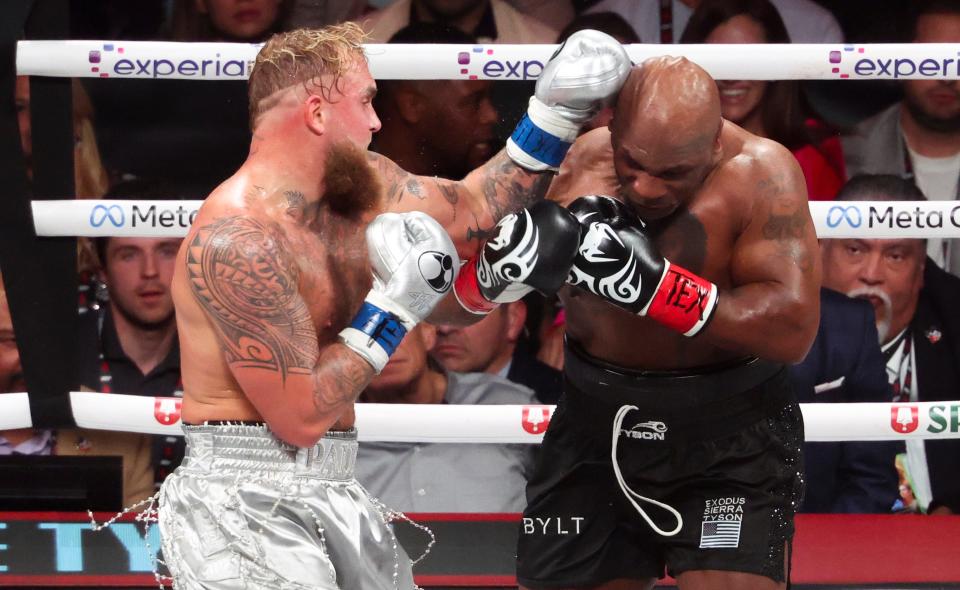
(919, 137)
(919, 330)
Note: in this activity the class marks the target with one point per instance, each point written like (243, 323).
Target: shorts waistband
(701, 405)
(673, 389)
(252, 448)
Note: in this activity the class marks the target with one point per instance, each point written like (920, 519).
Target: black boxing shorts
(720, 449)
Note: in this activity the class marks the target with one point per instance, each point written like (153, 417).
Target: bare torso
(331, 257)
(701, 237)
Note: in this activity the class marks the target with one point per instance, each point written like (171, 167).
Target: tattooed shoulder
(241, 273)
(787, 219)
(396, 181)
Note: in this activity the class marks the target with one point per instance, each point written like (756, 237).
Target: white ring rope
(832, 219)
(444, 423)
(15, 411)
(233, 61)
(506, 423)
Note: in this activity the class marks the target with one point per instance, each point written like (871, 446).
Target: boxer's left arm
(581, 77)
(773, 308)
(467, 209)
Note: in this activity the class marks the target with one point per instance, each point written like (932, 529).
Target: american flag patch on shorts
(720, 534)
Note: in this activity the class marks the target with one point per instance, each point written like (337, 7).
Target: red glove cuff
(683, 302)
(467, 290)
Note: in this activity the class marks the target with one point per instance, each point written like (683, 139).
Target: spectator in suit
(497, 345)
(432, 477)
(915, 303)
(845, 365)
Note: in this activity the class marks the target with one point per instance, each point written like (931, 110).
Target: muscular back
(288, 279)
(748, 225)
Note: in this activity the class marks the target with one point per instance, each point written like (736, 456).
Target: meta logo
(890, 217)
(111, 60)
(839, 213)
(852, 61)
(140, 216)
(100, 214)
(529, 69)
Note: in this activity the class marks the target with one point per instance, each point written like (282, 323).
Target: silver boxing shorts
(246, 510)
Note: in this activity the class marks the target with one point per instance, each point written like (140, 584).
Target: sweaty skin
(719, 201)
(275, 265)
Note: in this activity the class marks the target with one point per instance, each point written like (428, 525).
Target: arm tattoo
(241, 274)
(414, 187)
(396, 180)
(507, 187)
(786, 223)
(785, 226)
(449, 193)
(340, 380)
(787, 219)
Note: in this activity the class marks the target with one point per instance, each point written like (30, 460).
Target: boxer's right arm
(242, 273)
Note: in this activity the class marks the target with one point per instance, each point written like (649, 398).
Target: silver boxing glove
(414, 264)
(583, 75)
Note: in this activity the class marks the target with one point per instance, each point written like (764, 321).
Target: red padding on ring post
(876, 549)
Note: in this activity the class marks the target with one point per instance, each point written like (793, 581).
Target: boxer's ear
(315, 114)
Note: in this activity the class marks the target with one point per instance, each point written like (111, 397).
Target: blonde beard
(351, 186)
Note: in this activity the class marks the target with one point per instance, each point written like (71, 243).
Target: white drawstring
(630, 494)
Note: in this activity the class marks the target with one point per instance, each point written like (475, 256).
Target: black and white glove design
(617, 261)
(533, 249)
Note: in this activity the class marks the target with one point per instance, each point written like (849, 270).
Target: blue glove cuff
(381, 326)
(539, 144)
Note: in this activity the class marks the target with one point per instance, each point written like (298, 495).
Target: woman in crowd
(772, 109)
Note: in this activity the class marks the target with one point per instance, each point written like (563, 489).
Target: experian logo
(851, 61)
(479, 59)
(113, 60)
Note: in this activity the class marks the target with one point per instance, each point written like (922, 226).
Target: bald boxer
(677, 441)
(300, 276)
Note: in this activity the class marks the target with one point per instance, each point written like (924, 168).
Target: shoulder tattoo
(242, 274)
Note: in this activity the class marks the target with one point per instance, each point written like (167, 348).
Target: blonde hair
(91, 180)
(303, 56)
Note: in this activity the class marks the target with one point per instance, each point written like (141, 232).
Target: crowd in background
(889, 329)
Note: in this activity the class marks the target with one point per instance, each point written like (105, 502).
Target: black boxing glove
(617, 261)
(532, 249)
